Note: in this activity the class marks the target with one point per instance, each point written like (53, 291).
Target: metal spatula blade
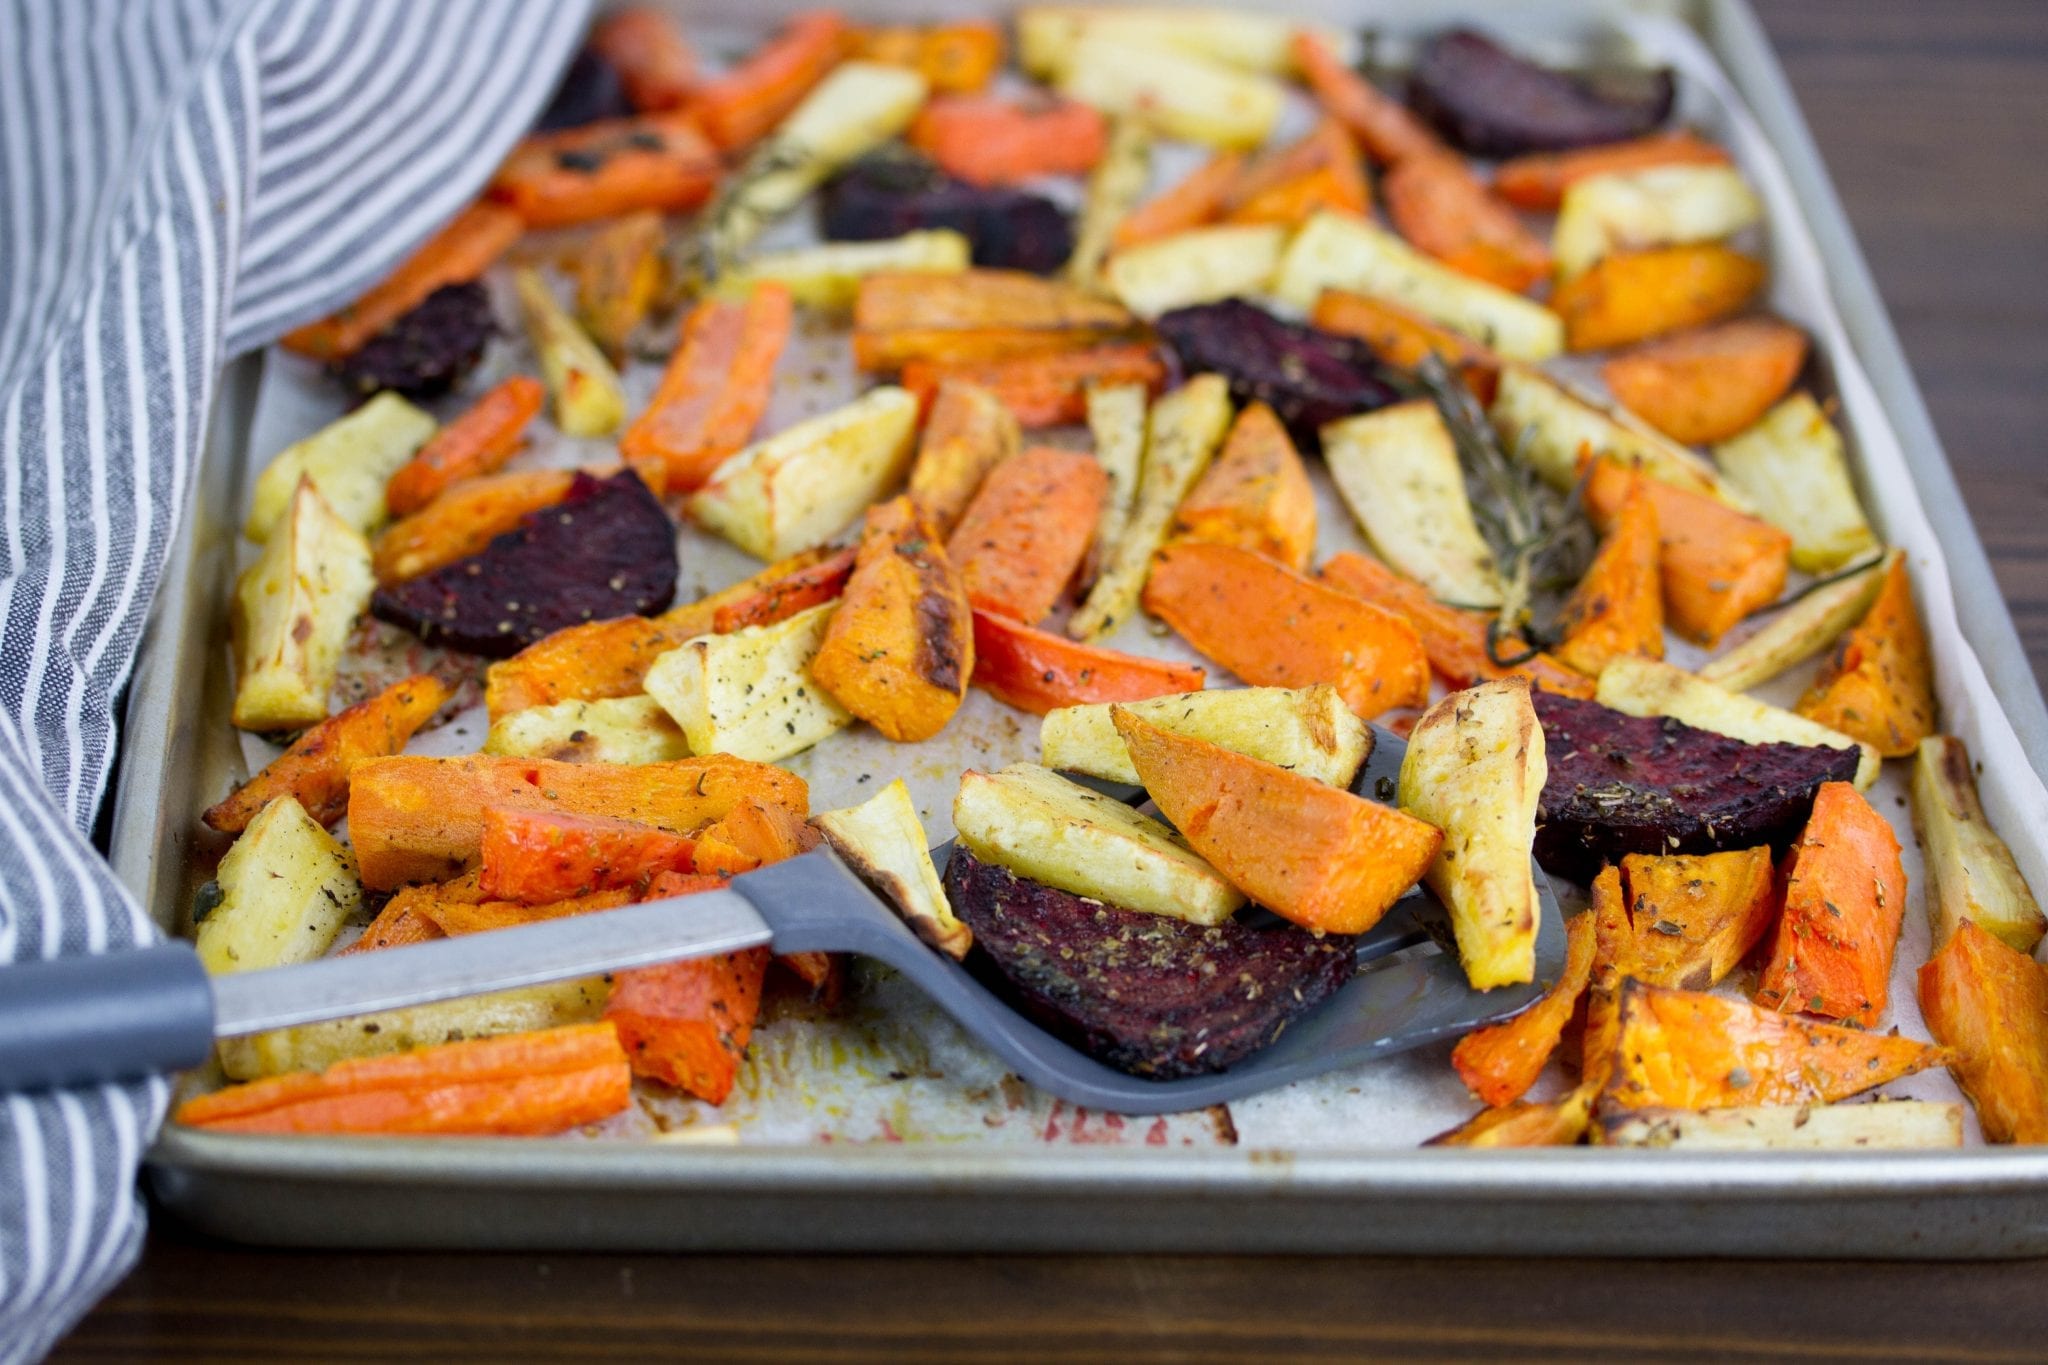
(120, 1015)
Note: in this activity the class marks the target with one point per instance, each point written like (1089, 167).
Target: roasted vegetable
(607, 549)
(1308, 377)
(537, 857)
(1845, 898)
(349, 460)
(954, 59)
(889, 195)
(1636, 295)
(1116, 422)
(607, 170)
(1988, 1003)
(1654, 207)
(293, 609)
(1476, 769)
(1524, 1123)
(828, 277)
(619, 273)
(1177, 94)
(1383, 126)
(1711, 384)
(653, 60)
(1399, 474)
(1898, 1124)
(806, 583)
(1048, 34)
(1443, 209)
(1648, 687)
(1038, 671)
(427, 351)
(1624, 784)
(975, 316)
(589, 399)
(1803, 628)
(1335, 251)
(1044, 390)
(1311, 853)
(1289, 186)
(1617, 609)
(1306, 730)
(461, 251)
(1491, 103)
(462, 522)
(714, 391)
(1021, 540)
(1878, 685)
(1197, 200)
(1696, 915)
(754, 833)
(1499, 1062)
(883, 842)
(967, 433)
(1792, 466)
(286, 888)
(687, 1024)
(1041, 826)
(1201, 266)
(1274, 628)
(1543, 422)
(1403, 338)
(478, 442)
(1256, 495)
(1687, 1050)
(799, 487)
(1539, 181)
(314, 770)
(738, 108)
(1114, 187)
(1145, 993)
(415, 819)
(1183, 431)
(751, 693)
(989, 140)
(1971, 871)
(607, 730)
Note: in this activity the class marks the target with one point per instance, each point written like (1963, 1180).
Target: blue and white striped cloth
(180, 181)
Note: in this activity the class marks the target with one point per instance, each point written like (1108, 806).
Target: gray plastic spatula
(121, 1015)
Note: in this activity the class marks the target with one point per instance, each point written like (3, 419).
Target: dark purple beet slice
(1146, 994)
(605, 550)
(1489, 102)
(887, 195)
(1623, 784)
(1306, 375)
(426, 352)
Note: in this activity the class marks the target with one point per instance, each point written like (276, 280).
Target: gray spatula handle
(103, 1017)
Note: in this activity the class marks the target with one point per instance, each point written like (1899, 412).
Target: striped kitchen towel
(180, 181)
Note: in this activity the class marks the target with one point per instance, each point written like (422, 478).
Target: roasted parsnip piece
(883, 842)
(589, 399)
(1201, 266)
(293, 610)
(1792, 469)
(1657, 206)
(1177, 94)
(750, 693)
(1399, 474)
(606, 730)
(1894, 1124)
(1048, 34)
(1114, 188)
(1116, 421)
(1970, 869)
(828, 277)
(349, 461)
(1650, 687)
(1802, 630)
(286, 888)
(1543, 422)
(1307, 730)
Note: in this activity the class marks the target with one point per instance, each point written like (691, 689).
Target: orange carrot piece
(1440, 206)
(1038, 671)
(517, 1085)
(1290, 186)
(668, 885)
(1878, 685)
(801, 590)
(986, 140)
(456, 918)
(607, 169)
(1309, 852)
(1273, 627)
(753, 834)
(1194, 202)
(1635, 295)
(1255, 495)
(460, 252)
(741, 107)
(1500, 1062)
(1712, 383)
(1402, 338)
(1845, 896)
(315, 769)
(1690, 1050)
(1021, 539)
(463, 520)
(715, 389)
(480, 441)
(537, 856)
(968, 431)
(1988, 1003)
(1383, 125)
(976, 315)
(1043, 390)
(1618, 607)
(655, 63)
(687, 1024)
(954, 59)
(1453, 638)
(1718, 564)
(1538, 181)
(401, 922)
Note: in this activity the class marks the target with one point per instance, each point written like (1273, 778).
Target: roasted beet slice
(428, 351)
(1648, 784)
(1489, 102)
(590, 90)
(1146, 994)
(605, 550)
(1308, 376)
(889, 194)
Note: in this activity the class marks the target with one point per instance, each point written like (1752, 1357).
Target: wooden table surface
(1932, 120)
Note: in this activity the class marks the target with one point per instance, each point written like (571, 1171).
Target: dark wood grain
(1932, 119)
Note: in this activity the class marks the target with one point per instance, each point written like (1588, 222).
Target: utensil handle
(103, 1017)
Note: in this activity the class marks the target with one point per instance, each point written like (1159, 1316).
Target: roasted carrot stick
(477, 442)
(1043, 390)
(1845, 896)
(1037, 671)
(715, 389)
(1273, 627)
(461, 251)
(609, 168)
(1403, 338)
(954, 59)
(522, 1084)
(989, 141)
(1320, 171)
(463, 520)
(655, 63)
(1194, 202)
(537, 856)
(1501, 1061)
(1440, 206)
(799, 590)
(1539, 180)
(1382, 125)
(1021, 539)
(739, 108)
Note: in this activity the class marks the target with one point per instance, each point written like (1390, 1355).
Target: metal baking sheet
(930, 1152)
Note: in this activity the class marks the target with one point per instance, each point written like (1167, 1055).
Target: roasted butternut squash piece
(753, 834)
(1697, 915)
(1710, 384)
(1255, 495)
(618, 275)
(1878, 686)
(687, 1023)
(1845, 896)
(1636, 295)
(1988, 1004)
(1618, 607)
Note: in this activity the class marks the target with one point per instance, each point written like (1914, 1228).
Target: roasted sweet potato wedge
(537, 856)
(1636, 295)
(967, 432)
(1618, 607)
(1878, 686)
(976, 315)
(1710, 384)
(1255, 495)
(1501, 1061)
(1696, 915)
(1845, 898)
(1988, 1003)
(1022, 539)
